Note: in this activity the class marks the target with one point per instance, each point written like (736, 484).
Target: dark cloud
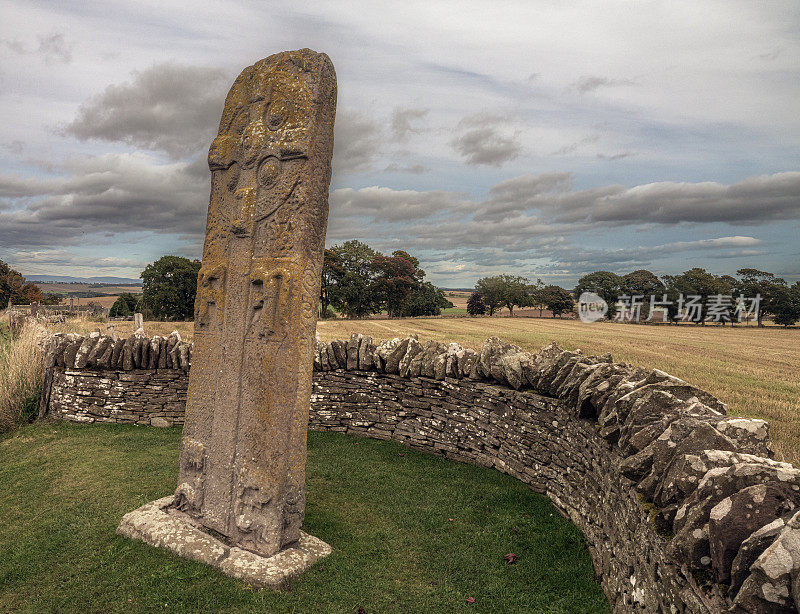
(483, 140)
(168, 107)
(108, 195)
(519, 194)
(754, 200)
(402, 122)
(590, 83)
(357, 141)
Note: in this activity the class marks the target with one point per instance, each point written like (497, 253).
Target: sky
(538, 138)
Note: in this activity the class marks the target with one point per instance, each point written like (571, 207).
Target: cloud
(520, 193)
(573, 147)
(772, 55)
(754, 200)
(482, 141)
(389, 205)
(578, 260)
(588, 84)
(617, 156)
(55, 48)
(414, 169)
(46, 259)
(357, 141)
(109, 194)
(402, 122)
(168, 107)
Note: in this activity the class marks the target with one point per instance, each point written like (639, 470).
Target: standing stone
(138, 321)
(243, 452)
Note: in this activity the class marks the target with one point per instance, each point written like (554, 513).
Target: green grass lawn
(411, 532)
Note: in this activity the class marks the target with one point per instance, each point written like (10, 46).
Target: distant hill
(66, 279)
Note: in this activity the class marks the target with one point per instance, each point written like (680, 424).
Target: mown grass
(385, 509)
(754, 370)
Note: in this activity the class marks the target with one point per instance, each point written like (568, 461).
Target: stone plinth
(156, 524)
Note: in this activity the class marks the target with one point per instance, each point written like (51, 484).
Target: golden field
(755, 371)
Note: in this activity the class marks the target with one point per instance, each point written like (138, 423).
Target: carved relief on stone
(270, 292)
(189, 494)
(210, 301)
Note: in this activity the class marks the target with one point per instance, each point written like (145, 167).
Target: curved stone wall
(682, 506)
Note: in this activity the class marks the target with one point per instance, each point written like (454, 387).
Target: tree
(503, 290)
(426, 300)
(607, 285)
(557, 299)
(169, 287)
(643, 283)
(695, 282)
(491, 290)
(786, 305)
(353, 291)
(475, 304)
(332, 273)
(52, 298)
(753, 282)
(535, 291)
(516, 292)
(398, 278)
(13, 286)
(125, 305)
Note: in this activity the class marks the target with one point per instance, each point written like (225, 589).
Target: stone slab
(155, 525)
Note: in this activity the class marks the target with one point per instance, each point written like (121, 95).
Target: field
(110, 292)
(411, 532)
(755, 371)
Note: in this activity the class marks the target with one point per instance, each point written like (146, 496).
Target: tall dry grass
(21, 372)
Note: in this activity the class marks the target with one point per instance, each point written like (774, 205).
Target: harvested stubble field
(755, 371)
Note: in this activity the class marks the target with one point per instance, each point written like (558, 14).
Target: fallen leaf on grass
(511, 558)
(470, 599)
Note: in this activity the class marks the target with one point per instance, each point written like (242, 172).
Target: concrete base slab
(155, 525)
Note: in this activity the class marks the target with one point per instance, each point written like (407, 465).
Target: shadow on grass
(411, 532)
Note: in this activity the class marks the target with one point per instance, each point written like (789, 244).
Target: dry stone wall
(682, 506)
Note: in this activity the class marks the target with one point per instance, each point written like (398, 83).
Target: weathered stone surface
(155, 524)
(691, 541)
(242, 464)
(772, 584)
(735, 518)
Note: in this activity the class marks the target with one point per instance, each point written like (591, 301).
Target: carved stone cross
(243, 451)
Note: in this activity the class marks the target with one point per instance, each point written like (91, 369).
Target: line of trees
(358, 281)
(777, 298)
(512, 291)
